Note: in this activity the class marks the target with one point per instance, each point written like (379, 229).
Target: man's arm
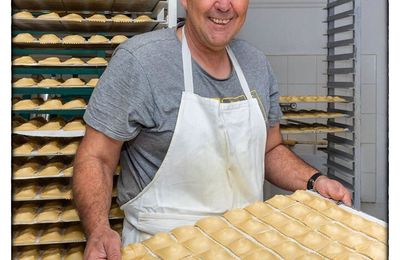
(94, 166)
(286, 170)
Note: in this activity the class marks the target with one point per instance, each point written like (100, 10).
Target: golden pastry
(184, 233)
(354, 241)
(25, 149)
(289, 249)
(25, 236)
(52, 234)
(97, 61)
(48, 83)
(51, 169)
(313, 240)
(49, 16)
(75, 253)
(33, 124)
(28, 104)
(294, 229)
(320, 204)
(98, 39)
(142, 18)
(29, 253)
(280, 201)
(275, 219)
(23, 15)
(173, 251)
(116, 212)
(332, 250)
(236, 216)
(226, 235)
(334, 231)
(50, 61)
(49, 39)
(25, 214)
(27, 170)
(351, 256)
(117, 39)
(133, 251)
(75, 103)
(356, 222)
(297, 211)
(199, 244)
(24, 60)
(73, 82)
(97, 18)
(253, 227)
(72, 17)
(242, 246)
(52, 191)
(48, 214)
(377, 231)
(302, 196)
(92, 82)
(53, 253)
(310, 256)
(52, 103)
(70, 148)
(73, 39)
(69, 213)
(336, 213)
(24, 82)
(159, 240)
(260, 254)
(216, 254)
(54, 124)
(73, 233)
(314, 220)
(24, 38)
(121, 18)
(374, 250)
(211, 224)
(73, 61)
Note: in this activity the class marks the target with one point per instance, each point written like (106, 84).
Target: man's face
(215, 22)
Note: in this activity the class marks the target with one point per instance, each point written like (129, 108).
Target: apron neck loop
(188, 72)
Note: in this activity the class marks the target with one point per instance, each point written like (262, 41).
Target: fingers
(340, 193)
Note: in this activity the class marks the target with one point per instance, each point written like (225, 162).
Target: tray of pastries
(303, 225)
(311, 99)
(54, 83)
(313, 113)
(55, 61)
(314, 128)
(51, 252)
(34, 147)
(50, 104)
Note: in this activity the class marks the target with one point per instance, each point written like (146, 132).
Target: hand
(103, 244)
(332, 189)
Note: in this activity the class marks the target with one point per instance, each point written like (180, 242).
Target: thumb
(113, 249)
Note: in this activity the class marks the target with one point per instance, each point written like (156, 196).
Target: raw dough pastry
(33, 124)
(24, 214)
(174, 251)
(73, 82)
(314, 220)
(29, 253)
(73, 39)
(98, 39)
(310, 256)
(48, 214)
(25, 236)
(158, 241)
(75, 103)
(142, 18)
(334, 231)
(68, 171)
(97, 18)
(355, 222)
(302, 196)
(50, 61)
(242, 246)
(53, 253)
(54, 124)
(51, 169)
(72, 17)
(73, 61)
(119, 39)
(24, 82)
(236, 216)
(115, 211)
(293, 229)
(211, 224)
(377, 231)
(52, 234)
(313, 240)
(336, 213)
(121, 18)
(52, 191)
(49, 16)
(69, 213)
(92, 82)
(199, 244)
(23, 15)
(289, 249)
(97, 61)
(70, 148)
(259, 209)
(354, 241)
(51, 103)
(48, 83)
(73, 233)
(27, 170)
(226, 236)
(253, 227)
(260, 254)
(133, 251)
(184, 233)
(24, 60)
(297, 211)
(76, 124)
(374, 250)
(24, 38)
(320, 204)
(49, 39)
(275, 219)
(216, 254)
(280, 201)
(25, 149)
(352, 256)
(75, 253)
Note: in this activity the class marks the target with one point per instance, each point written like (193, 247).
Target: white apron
(215, 162)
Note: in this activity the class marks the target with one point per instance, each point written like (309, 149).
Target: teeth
(220, 21)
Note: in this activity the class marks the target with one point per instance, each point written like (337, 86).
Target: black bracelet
(311, 181)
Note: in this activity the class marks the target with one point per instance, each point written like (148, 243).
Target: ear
(184, 4)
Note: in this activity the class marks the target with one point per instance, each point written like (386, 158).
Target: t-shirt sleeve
(275, 113)
(122, 103)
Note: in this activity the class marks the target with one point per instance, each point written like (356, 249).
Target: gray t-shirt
(138, 96)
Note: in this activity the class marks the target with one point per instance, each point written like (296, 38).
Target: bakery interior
(333, 88)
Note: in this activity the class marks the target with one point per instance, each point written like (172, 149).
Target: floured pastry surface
(52, 234)
(73, 233)
(50, 148)
(69, 213)
(24, 82)
(49, 39)
(216, 254)
(121, 18)
(275, 219)
(334, 231)
(97, 18)
(70, 148)
(313, 240)
(377, 231)
(53, 125)
(52, 103)
(297, 211)
(50, 61)
(260, 254)
(72, 17)
(142, 18)
(25, 236)
(118, 39)
(24, 38)
(253, 227)
(49, 16)
(23, 15)
(73, 39)
(92, 82)
(73, 61)
(98, 39)
(75, 103)
(73, 82)
(314, 220)
(97, 61)
(320, 204)
(48, 83)
(24, 60)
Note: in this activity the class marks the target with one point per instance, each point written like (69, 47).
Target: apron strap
(188, 72)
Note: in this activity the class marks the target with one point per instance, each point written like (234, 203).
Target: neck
(215, 62)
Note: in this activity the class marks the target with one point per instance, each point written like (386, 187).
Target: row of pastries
(49, 82)
(74, 252)
(51, 38)
(41, 124)
(313, 113)
(311, 99)
(51, 61)
(299, 226)
(51, 103)
(311, 128)
(49, 148)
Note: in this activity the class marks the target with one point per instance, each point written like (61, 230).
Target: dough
(336, 213)
(52, 147)
(142, 18)
(184, 233)
(75, 253)
(289, 249)
(351, 256)
(49, 39)
(69, 213)
(24, 82)
(98, 39)
(355, 222)
(53, 253)
(51, 169)
(72, 17)
(253, 227)
(260, 254)
(97, 18)
(354, 241)
(297, 211)
(92, 82)
(54, 124)
(294, 229)
(25, 236)
(24, 38)
(226, 236)
(236, 216)
(97, 61)
(52, 191)
(320, 204)
(25, 149)
(334, 231)
(76, 124)
(313, 240)
(173, 251)
(50, 214)
(68, 171)
(24, 60)
(73, 82)
(50, 61)
(119, 39)
(30, 253)
(374, 250)
(275, 219)
(280, 201)
(27, 170)
(75, 103)
(314, 220)
(25, 214)
(23, 15)
(48, 83)
(70, 148)
(52, 234)
(121, 18)
(211, 224)
(332, 250)
(73, 39)
(49, 16)
(242, 246)
(73, 233)
(377, 231)
(51, 103)
(216, 254)
(133, 251)
(115, 211)
(159, 240)
(73, 61)
(33, 124)
(199, 244)
(302, 196)
(310, 256)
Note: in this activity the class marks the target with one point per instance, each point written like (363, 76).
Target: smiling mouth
(220, 21)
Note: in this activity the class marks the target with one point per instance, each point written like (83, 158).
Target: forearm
(286, 170)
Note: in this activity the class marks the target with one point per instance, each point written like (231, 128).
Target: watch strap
(311, 181)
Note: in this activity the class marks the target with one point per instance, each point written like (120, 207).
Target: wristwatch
(311, 181)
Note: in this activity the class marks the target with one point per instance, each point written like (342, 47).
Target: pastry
(332, 250)
(92, 82)
(52, 103)
(314, 220)
(354, 241)
(50, 61)
(97, 18)
(184, 233)
(54, 124)
(302, 196)
(173, 251)
(52, 253)
(48, 214)
(117, 39)
(72, 17)
(75, 103)
(27, 170)
(297, 211)
(280, 201)
(253, 227)
(69, 213)
(320, 204)
(199, 244)
(334, 231)
(216, 254)
(52, 234)
(75, 253)
(242, 246)
(97, 61)
(142, 18)
(28, 104)
(376, 231)
(23, 15)
(25, 236)
(374, 250)
(24, 82)
(211, 224)
(294, 229)
(270, 238)
(275, 219)
(68, 171)
(159, 240)
(226, 236)
(25, 214)
(28, 253)
(98, 39)
(48, 83)
(49, 16)
(73, 39)
(33, 124)
(73, 233)
(133, 251)
(313, 240)
(310, 256)
(51, 169)
(236, 216)
(25, 149)
(73, 61)
(336, 213)
(24, 38)
(73, 82)
(121, 18)
(355, 222)
(49, 39)
(24, 60)
(260, 254)
(52, 191)
(70, 148)
(289, 249)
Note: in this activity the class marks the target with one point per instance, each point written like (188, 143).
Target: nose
(223, 5)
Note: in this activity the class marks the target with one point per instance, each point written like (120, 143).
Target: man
(193, 116)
